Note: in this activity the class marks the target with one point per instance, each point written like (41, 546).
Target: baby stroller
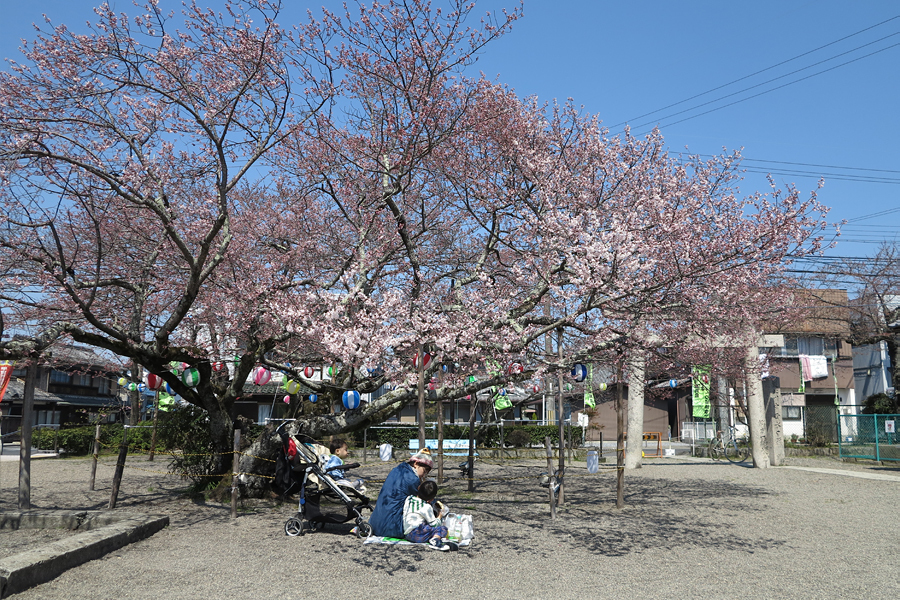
(313, 483)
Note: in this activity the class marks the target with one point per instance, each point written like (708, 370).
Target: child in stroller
(302, 460)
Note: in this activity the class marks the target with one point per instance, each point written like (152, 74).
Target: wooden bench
(451, 447)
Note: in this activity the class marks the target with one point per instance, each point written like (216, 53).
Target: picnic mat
(377, 539)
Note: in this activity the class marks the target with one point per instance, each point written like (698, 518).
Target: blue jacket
(387, 518)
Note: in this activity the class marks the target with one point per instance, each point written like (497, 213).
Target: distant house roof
(16, 392)
(69, 356)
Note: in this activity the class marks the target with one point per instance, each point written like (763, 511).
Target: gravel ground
(691, 528)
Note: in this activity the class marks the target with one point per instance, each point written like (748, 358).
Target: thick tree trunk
(635, 427)
(756, 417)
(221, 430)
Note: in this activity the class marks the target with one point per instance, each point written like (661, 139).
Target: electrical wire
(741, 91)
(760, 71)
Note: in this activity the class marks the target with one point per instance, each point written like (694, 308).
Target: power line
(771, 90)
(760, 71)
(776, 79)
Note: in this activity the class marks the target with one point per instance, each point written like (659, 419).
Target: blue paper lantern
(169, 390)
(579, 372)
(313, 397)
(351, 399)
(673, 383)
(141, 388)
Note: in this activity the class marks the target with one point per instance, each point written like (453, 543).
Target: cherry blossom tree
(345, 194)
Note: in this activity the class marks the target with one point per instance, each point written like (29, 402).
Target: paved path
(860, 474)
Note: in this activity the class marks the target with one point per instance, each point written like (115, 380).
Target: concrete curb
(104, 532)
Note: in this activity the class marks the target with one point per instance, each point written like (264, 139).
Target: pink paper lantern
(287, 399)
(261, 376)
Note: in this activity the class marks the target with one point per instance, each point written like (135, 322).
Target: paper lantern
(261, 376)
(432, 385)
(141, 388)
(332, 372)
(132, 387)
(218, 366)
(535, 388)
(602, 387)
(190, 377)
(568, 387)
(123, 382)
(287, 399)
(579, 372)
(154, 382)
(673, 383)
(308, 372)
(313, 398)
(351, 399)
(426, 360)
(237, 360)
(501, 392)
(705, 379)
(169, 390)
(515, 368)
(184, 366)
(291, 386)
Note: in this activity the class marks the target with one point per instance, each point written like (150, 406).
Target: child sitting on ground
(419, 521)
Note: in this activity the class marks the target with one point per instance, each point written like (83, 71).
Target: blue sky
(622, 60)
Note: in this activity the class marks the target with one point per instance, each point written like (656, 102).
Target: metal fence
(869, 436)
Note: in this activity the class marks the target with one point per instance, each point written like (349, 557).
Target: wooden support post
(561, 498)
(95, 456)
(120, 468)
(25, 439)
(440, 439)
(365, 444)
(620, 442)
(420, 411)
(153, 437)
(235, 467)
(472, 406)
(549, 449)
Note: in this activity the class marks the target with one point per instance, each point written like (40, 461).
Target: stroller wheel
(293, 527)
(363, 530)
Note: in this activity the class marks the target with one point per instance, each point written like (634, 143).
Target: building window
(791, 413)
(59, 377)
(795, 345)
(82, 380)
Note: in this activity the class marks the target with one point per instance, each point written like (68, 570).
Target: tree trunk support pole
(153, 437)
(25, 440)
(120, 468)
(95, 456)
(550, 474)
(235, 467)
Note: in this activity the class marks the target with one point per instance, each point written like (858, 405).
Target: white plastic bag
(593, 461)
(385, 452)
(459, 527)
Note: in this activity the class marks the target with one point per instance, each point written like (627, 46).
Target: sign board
(889, 426)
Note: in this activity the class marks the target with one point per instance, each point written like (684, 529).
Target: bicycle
(728, 445)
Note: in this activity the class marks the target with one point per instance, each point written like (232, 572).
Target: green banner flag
(589, 401)
(166, 402)
(700, 391)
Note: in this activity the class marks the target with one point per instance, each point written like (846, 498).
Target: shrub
(880, 404)
(519, 438)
